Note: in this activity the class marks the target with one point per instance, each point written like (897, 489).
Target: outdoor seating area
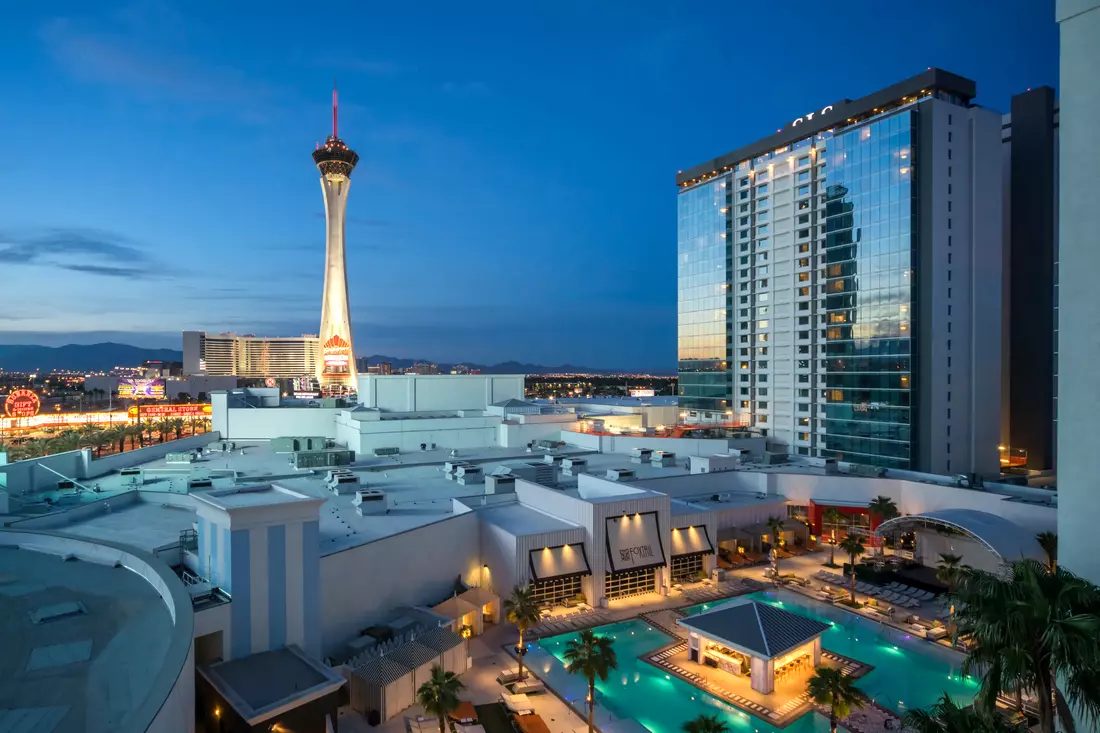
(896, 593)
(556, 622)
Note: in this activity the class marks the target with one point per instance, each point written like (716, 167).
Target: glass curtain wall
(702, 285)
(871, 207)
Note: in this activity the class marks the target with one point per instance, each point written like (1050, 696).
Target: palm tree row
(99, 438)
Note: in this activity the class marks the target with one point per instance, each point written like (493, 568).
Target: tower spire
(334, 109)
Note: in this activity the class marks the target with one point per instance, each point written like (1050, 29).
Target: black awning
(691, 541)
(555, 563)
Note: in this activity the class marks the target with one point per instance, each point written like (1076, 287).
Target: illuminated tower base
(336, 368)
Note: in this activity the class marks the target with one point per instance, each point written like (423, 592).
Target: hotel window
(803, 334)
(762, 203)
(761, 190)
(744, 247)
(744, 365)
(744, 195)
(762, 364)
(762, 310)
(745, 378)
(744, 391)
(803, 291)
(804, 393)
(762, 270)
(762, 324)
(762, 244)
(762, 391)
(803, 436)
(763, 229)
(803, 191)
(743, 208)
(764, 283)
(744, 260)
(744, 235)
(743, 221)
(803, 320)
(761, 405)
(805, 261)
(761, 418)
(762, 338)
(803, 205)
(744, 325)
(761, 176)
(804, 421)
(802, 407)
(743, 273)
(803, 218)
(762, 216)
(804, 160)
(803, 176)
(803, 233)
(744, 404)
(763, 351)
(762, 257)
(744, 181)
(803, 277)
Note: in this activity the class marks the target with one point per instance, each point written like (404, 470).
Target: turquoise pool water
(907, 673)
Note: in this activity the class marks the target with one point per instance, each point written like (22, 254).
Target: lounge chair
(528, 687)
(927, 595)
(518, 704)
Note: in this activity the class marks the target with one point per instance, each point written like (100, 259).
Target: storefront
(690, 547)
(635, 555)
(556, 573)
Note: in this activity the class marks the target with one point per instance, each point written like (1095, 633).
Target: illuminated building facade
(840, 281)
(249, 357)
(335, 161)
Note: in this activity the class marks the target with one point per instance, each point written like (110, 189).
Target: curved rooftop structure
(1003, 537)
(97, 638)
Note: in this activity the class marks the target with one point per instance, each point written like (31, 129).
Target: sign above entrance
(634, 542)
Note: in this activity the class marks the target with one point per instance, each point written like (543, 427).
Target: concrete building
(99, 638)
(829, 289)
(1078, 307)
(336, 161)
(1030, 135)
(249, 357)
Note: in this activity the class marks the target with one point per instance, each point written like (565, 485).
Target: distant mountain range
(79, 357)
(106, 356)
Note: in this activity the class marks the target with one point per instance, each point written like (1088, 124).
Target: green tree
(884, 508)
(775, 531)
(949, 571)
(520, 609)
(834, 689)
(1049, 542)
(590, 656)
(439, 695)
(947, 717)
(1038, 630)
(832, 518)
(853, 546)
(705, 724)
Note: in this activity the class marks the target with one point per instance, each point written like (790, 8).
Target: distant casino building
(250, 357)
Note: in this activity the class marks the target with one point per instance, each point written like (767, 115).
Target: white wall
(446, 432)
(931, 544)
(364, 584)
(514, 434)
(680, 446)
(1079, 307)
(414, 392)
(101, 466)
(264, 423)
(27, 476)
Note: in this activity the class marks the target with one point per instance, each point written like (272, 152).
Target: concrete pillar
(817, 652)
(763, 675)
(1078, 306)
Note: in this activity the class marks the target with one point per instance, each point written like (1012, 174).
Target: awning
(455, 608)
(691, 541)
(563, 561)
(634, 542)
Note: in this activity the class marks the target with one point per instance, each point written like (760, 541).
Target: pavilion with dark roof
(754, 638)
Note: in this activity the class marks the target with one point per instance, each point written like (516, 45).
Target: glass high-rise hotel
(840, 281)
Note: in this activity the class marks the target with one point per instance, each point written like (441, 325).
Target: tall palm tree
(1049, 542)
(591, 656)
(775, 531)
(522, 610)
(1036, 629)
(835, 689)
(949, 571)
(705, 724)
(884, 508)
(853, 546)
(832, 517)
(439, 695)
(947, 717)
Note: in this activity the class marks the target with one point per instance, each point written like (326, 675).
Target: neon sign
(22, 403)
(336, 356)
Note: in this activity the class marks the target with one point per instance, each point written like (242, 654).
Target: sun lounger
(528, 686)
(518, 704)
(935, 634)
(927, 595)
(507, 678)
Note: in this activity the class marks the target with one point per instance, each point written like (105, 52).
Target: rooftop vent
(57, 612)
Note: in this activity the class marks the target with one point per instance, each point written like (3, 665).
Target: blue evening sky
(514, 196)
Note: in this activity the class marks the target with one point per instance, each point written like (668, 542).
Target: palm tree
(853, 545)
(439, 695)
(947, 717)
(833, 518)
(884, 508)
(520, 609)
(775, 531)
(592, 656)
(1049, 542)
(832, 687)
(177, 426)
(949, 571)
(705, 724)
(1035, 629)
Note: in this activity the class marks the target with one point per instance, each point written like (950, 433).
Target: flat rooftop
(259, 685)
(95, 653)
(520, 519)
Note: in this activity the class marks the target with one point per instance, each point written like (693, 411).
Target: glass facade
(702, 291)
(871, 207)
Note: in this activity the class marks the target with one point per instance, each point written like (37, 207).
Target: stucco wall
(365, 584)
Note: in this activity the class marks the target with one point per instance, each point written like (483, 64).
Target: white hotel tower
(336, 368)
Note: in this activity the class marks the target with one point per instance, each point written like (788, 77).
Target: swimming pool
(908, 672)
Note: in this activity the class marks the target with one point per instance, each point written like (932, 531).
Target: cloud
(117, 57)
(90, 251)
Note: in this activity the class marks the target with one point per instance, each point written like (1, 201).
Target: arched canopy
(1003, 537)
